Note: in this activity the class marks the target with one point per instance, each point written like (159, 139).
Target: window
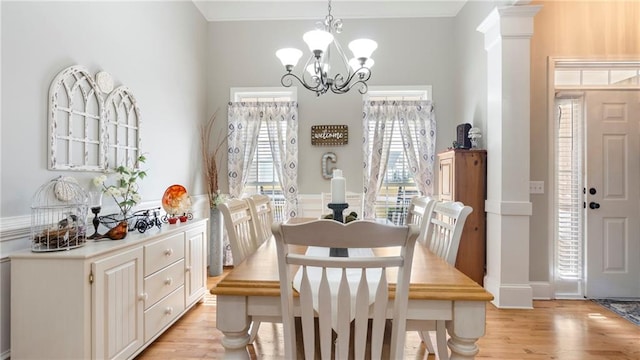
(262, 177)
(398, 186)
(568, 182)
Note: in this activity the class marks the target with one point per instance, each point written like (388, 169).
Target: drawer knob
(168, 310)
(169, 281)
(168, 252)
(188, 268)
(143, 297)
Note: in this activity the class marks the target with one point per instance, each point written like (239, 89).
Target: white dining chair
(343, 292)
(240, 224)
(262, 214)
(443, 232)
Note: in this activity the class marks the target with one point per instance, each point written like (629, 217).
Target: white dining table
(437, 291)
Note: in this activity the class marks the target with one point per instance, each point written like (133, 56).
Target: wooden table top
(431, 277)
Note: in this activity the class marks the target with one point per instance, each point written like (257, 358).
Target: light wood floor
(562, 329)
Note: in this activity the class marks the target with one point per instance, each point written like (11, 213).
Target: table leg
(233, 322)
(467, 326)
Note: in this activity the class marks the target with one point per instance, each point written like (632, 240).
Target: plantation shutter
(569, 187)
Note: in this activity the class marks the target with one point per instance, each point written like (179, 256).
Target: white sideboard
(108, 299)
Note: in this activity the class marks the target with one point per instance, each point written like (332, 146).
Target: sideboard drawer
(163, 282)
(162, 313)
(162, 253)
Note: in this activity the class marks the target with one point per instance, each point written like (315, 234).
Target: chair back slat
(361, 317)
(262, 212)
(343, 300)
(324, 307)
(307, 315)
(240, 229)
(445, 229)
(419, 212)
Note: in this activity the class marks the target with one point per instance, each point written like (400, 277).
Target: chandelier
(316, 74)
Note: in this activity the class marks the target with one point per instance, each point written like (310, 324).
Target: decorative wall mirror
(89, 133)
(122, 128)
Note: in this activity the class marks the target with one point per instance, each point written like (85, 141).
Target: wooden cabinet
(462, 178)
(108, 299)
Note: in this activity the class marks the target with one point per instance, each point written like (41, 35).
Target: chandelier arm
(363, 74)
(286, 81)
(345, 89)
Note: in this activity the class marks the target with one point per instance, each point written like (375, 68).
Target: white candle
(338, 187)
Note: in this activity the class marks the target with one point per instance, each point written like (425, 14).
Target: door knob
(592, 191)
(594, 205)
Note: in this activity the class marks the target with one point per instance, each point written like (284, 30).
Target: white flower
(99, 180)
(113, 191)
(125, 190)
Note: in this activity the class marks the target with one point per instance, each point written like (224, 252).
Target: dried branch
(209, 160)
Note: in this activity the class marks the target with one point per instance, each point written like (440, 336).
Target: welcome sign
(329, 135)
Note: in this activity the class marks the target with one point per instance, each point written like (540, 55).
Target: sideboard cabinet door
(119, 305)
(196, 264)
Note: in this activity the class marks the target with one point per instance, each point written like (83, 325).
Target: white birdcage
(59, 216)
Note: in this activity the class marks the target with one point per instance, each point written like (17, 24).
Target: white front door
(612, 193)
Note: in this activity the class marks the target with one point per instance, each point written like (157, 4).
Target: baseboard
(509, 296)
(542, 290)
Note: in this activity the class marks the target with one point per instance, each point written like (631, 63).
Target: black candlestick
(96, 222)
(338, 208)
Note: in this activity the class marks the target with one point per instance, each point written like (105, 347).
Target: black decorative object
(462, 138)
(338, 208)
(145, 221)
(141, 220)
(96, 222)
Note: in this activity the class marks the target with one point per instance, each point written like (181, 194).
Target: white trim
(237, 93)
(509, 296)
(542, 290)
(424, 91)
(523, 208)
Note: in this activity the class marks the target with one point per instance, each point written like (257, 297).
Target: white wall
(410, 52)
(157, 49)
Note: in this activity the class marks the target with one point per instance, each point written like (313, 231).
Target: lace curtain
(245, 120)
(415, 121)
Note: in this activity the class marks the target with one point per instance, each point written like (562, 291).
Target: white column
(507, 32)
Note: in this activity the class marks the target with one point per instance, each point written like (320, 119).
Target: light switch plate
(536, 187)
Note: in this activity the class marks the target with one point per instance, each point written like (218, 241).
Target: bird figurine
(118, 232)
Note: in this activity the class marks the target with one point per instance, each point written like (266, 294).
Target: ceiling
(230, 10)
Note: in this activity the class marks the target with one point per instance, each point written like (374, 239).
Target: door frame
(554, 63)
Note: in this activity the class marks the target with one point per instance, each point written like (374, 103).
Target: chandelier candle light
(316, 75)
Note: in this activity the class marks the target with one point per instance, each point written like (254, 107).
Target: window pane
(567, 77)
(595, 77)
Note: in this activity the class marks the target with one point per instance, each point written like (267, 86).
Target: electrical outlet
(536, 187)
